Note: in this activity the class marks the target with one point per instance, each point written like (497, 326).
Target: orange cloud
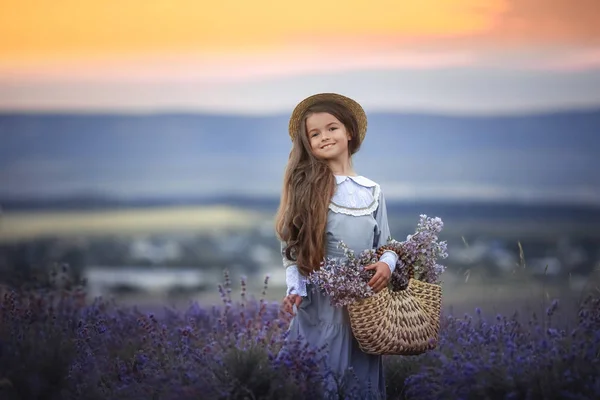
(46, 30)
(238, 40)
(548, 22)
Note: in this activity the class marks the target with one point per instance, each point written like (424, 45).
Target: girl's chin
(331, 158)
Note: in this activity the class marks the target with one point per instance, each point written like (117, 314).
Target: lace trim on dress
(348, 209)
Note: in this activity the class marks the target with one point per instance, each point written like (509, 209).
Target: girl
(324, 202)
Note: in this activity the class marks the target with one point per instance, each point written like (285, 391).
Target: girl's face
(328, 137)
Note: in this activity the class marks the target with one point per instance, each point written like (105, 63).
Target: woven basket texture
(403, 322)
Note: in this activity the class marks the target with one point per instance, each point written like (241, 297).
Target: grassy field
(511, 230)
(27, 225)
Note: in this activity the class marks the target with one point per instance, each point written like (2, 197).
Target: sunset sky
(263, 56)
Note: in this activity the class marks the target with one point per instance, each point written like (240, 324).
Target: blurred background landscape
(144, 144)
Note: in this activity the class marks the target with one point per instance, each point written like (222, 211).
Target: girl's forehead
(320, 118)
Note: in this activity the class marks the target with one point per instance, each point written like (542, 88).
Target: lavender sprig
(420, 250)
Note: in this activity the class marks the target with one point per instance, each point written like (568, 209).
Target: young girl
(324, 202)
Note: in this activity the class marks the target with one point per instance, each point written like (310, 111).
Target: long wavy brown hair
(308, 186)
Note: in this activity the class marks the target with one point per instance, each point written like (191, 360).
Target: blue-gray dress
(361, 223)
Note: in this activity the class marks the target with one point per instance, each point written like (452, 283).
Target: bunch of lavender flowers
(345, 280)
(420, 251)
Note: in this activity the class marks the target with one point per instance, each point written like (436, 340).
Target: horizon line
(417, 111)
(198, 200)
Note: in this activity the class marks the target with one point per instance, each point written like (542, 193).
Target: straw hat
(353, 106)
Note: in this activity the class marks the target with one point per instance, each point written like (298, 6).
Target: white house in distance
(155, 251)
(149, 280)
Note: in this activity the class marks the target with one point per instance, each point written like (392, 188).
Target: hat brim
(355, 108)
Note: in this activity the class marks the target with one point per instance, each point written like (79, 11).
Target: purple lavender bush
(501, 358)
(62, 349)
(54, 346)
(35, 347)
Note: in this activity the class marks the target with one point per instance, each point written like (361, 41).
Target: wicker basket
(403, 322)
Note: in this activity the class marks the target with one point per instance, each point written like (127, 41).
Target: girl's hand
(289, 301)
(382, 276)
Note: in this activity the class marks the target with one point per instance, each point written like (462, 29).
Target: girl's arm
(382, 233)
(295, 282)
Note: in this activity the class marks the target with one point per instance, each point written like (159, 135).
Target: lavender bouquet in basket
(347, 281)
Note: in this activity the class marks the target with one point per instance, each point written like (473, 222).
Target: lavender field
(55, 345)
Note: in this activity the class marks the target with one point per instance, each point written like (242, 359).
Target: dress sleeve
(382, 233)
(295, 282)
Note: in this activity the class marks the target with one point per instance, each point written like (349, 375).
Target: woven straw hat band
(355, 108)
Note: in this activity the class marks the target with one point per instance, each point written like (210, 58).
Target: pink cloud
(296, 61)
(235, 68)
(576, 61)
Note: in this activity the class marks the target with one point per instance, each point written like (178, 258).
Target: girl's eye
(333, 128)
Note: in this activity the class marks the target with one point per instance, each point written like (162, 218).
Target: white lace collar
(361, 180)
(355, 195)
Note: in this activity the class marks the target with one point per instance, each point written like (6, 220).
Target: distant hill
(183, 156)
